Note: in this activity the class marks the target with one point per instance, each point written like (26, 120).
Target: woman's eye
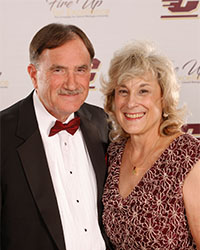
(143, 91)
(122, 92)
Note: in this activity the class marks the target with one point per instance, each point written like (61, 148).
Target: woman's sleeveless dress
(152, 216)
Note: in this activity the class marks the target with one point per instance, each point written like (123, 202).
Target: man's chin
(71, 108)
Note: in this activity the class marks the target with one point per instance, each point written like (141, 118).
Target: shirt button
(70, 172)
(85, 229)
(65, 143)
(77, 201)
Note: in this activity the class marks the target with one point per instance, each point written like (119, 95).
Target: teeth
(134, 115)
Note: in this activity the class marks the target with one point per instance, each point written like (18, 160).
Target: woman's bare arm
(191, 194)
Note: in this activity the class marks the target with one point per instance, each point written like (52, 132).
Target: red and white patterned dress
(152, 216)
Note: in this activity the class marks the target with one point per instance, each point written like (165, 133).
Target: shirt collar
(44, 118)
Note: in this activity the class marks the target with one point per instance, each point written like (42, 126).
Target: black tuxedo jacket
(30, 218)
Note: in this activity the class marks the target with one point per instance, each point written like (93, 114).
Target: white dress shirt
(74, 183)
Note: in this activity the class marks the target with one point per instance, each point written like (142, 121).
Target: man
(51, 180)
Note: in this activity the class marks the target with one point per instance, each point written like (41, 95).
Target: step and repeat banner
(174, 25)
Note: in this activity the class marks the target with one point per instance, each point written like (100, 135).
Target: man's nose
(70, 81)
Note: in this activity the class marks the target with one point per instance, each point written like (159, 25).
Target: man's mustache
(70, 92)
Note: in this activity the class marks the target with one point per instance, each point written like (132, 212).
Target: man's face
(62, 78)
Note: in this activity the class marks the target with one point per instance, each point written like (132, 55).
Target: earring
(165, 115)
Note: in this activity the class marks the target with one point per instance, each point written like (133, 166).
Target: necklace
(136, 167)
(134, 170)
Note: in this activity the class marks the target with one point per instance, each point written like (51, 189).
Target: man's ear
(32, 71)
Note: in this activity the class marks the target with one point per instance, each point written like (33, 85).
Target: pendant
(134, 170)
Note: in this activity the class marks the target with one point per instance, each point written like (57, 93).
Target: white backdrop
(173, 24)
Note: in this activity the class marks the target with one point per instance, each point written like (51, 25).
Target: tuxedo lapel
(35, 166)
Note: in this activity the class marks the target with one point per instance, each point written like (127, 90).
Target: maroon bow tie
(70, 127)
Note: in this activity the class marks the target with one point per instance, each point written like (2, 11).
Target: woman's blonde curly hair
(136, 60)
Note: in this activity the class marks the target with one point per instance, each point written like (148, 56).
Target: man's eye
(81, 69)
(58, 71)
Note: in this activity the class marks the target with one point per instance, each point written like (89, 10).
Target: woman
(151, 197)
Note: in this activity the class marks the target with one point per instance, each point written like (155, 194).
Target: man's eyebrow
(85, 66)
(56, 66)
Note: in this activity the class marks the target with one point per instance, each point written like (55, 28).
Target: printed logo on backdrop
(193, 129)
(78, 8)
(3, 82)
(189, 71)
(95, 69)
(181, 9)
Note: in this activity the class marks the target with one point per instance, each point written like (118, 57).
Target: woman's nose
(132, 100)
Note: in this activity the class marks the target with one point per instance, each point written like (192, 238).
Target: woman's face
(138, 106)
